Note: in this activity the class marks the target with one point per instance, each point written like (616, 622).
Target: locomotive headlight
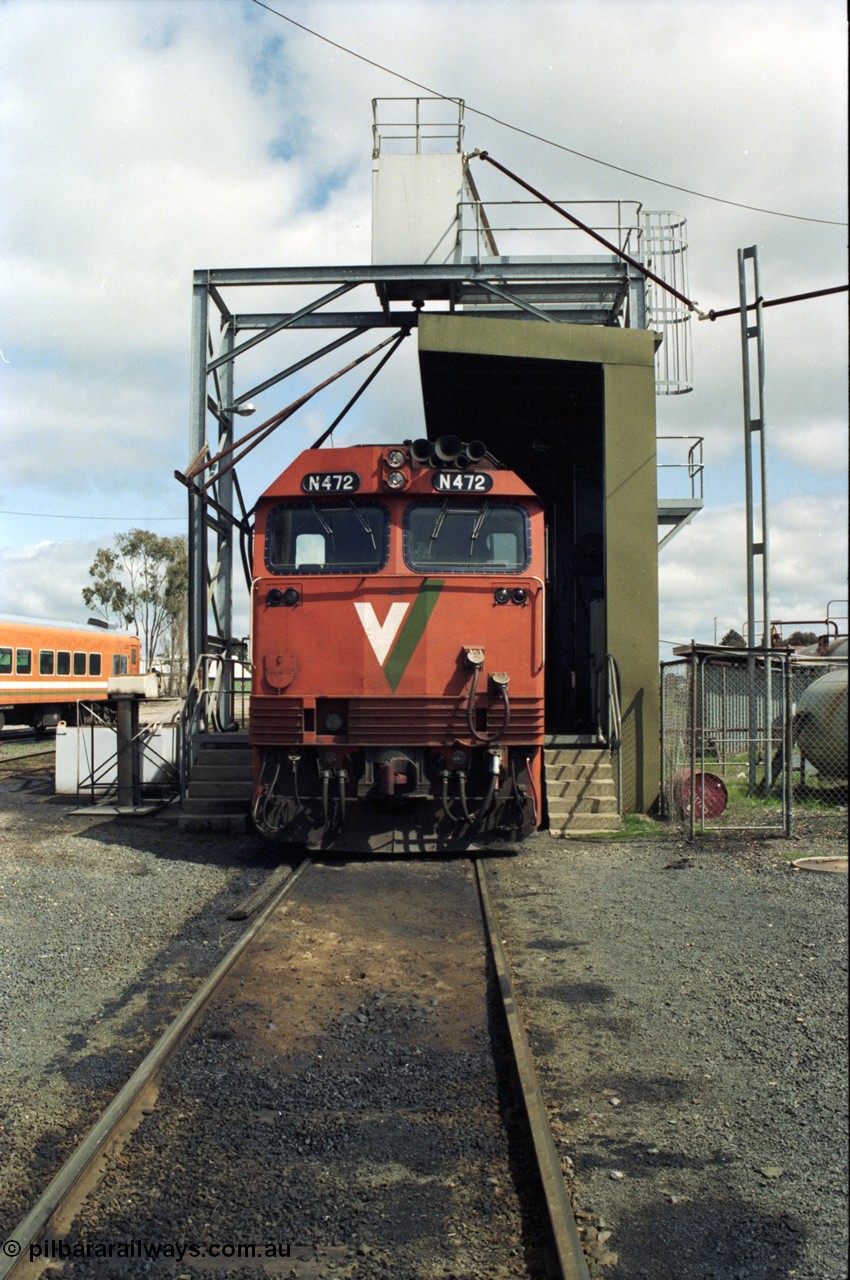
(396, 458)
(396, 480)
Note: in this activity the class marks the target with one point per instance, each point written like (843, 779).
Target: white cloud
(141, 141)
(45, 579)
(703, 570)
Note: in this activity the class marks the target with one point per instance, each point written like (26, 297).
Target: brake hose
(503, 692)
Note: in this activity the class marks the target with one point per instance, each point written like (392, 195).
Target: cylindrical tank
(820, 724)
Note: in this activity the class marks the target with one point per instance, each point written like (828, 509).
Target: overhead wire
(549, 142)
(55, 515)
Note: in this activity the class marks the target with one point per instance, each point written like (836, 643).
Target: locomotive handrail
(539, 627)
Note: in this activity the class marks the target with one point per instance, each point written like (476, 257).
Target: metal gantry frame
(551, 290)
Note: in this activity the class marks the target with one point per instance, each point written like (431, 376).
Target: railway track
(342, 1097)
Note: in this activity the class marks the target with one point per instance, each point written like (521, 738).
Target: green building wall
(577, 386)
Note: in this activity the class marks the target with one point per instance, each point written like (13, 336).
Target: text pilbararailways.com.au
(150, 1250)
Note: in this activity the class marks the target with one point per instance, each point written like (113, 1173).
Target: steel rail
(565, 1237)
(35, 1225)
(30, 755)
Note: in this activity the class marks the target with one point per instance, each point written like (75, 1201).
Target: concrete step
(576, 755)
(569, 772)
(560, 810)
(582, 826)
(581, 791)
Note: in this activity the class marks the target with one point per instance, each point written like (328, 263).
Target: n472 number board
(330, 482)
(462, 481)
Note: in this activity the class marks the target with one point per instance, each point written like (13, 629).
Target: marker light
(519, 595)
(501, 595)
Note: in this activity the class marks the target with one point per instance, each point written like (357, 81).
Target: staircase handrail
(609, 671)
(202, 706)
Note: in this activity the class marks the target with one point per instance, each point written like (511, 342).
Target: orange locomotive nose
(364, 608)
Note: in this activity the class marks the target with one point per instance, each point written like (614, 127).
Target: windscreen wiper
(321, 519)
(476, 528)
(438, 523)
(365, 523)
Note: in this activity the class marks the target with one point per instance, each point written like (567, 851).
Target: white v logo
(381, 637)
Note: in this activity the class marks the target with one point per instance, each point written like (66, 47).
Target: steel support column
(197, 611)
(755, 439)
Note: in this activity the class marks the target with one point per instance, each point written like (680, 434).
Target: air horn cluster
(448, 451)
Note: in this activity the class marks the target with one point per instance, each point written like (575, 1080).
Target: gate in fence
(748, 734)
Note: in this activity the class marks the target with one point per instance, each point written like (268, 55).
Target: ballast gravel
(687, 1004)
(106, 929)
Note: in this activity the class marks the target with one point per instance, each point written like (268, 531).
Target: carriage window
(5, 662)
(23, 662)
(94, 664)
(134, 657)
(45, 662)
(459, 537)
(343, 537)
(79, 664)
(63, 663)
(119, 664)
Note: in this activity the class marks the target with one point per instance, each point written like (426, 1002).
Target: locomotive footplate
(395, 799)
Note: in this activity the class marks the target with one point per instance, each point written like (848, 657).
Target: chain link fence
(747, 736)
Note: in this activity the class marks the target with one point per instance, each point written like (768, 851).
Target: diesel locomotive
(398, 649)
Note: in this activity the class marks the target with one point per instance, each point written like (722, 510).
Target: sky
(142, 139)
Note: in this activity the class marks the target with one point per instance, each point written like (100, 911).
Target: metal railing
(618, 219)
(747, 735)
(418, 127)
(694, 466)
(608, 697)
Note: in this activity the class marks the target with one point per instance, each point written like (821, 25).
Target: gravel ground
(688, 1008)
(341, 1095)
(688, 1005)
(106, 928)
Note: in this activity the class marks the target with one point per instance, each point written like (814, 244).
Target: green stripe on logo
(411, 632)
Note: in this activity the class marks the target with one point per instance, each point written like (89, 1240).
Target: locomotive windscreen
(457, 537)
(341, 538)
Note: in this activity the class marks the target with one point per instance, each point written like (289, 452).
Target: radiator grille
(275, 722)
(400, 721)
